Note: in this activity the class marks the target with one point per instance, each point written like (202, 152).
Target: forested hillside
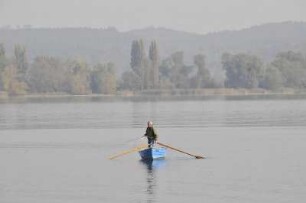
(109, 45)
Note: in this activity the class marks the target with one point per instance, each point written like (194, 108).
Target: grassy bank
(151, 95)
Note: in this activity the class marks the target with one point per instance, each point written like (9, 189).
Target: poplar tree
(154, 59)
(21, 59)
(138, 61)
(202, 78)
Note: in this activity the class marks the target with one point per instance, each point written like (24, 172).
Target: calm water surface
(56, 151)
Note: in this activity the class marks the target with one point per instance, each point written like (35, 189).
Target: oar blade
(199, 157)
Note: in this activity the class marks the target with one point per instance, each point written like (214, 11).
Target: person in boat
(151, 134)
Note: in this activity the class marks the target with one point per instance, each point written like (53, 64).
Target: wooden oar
(138, 148)
(164, 145)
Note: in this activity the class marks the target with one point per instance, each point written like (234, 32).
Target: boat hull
(153, 153)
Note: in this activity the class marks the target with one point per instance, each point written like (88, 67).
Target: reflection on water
(151, 168)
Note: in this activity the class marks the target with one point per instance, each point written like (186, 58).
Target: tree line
(48, 75)
(287, 70)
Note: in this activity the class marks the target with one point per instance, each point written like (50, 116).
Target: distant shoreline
(151, 95)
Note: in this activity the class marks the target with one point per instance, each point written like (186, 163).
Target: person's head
(150, 124)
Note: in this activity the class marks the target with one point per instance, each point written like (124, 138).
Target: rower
(151, 134)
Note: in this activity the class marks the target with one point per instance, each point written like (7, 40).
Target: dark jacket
(150, 133)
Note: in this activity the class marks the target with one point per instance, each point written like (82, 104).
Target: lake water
(56, 150)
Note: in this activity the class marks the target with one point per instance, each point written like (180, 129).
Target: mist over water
(56, 150)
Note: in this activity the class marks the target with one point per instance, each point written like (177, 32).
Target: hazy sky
(199, 16)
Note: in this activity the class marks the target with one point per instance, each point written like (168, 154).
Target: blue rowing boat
(153, 153)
